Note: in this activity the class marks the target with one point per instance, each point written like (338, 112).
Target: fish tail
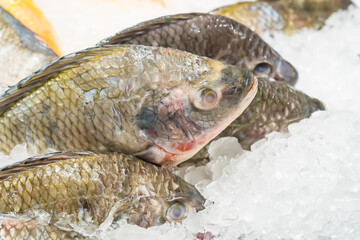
(16, 227)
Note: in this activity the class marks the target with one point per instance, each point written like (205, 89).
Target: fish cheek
(147, 121)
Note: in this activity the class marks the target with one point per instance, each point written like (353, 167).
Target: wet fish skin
(132, 99)
(275, 106)
(320, 9)
(13, 228)
(209, 35)
(82, 193)
(21, 52)
(287, 16)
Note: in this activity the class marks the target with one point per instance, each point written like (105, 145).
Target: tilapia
(21, 52)
(275, 106)
(79, 194)
(212, 36)
(160, 104)
(288, 16)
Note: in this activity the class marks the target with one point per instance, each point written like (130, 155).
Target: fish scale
(20, 49)
(275, 107)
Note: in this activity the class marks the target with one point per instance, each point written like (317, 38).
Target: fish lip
(254, 82)
(286, 72)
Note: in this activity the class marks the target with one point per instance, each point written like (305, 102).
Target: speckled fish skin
(132, 99)
(287, 16)
(212, 36)
(85, 193)
(21, 53)
(275, 106)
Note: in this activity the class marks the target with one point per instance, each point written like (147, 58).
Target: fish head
(173, 201)
(192, 113)
(267, 63)
(186, 200)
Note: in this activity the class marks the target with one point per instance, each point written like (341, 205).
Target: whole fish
(275, 106)
(162, 105)
(287, 16)
(68, 194)
(21, 52)
(212, 36)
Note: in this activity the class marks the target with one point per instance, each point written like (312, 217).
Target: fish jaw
(178, 152)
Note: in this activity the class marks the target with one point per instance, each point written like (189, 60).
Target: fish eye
(262, 69)
(206, 99)
(176, 211)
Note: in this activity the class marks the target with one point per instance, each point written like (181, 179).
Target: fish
(21, 52)
(82, 193)
(288, 16)
(319, 9)
(159, 104)
(34, 19)
(275, 107)
(212, 36)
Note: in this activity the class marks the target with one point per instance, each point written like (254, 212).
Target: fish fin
(141, 28)
(29, 39)
(40, 160)
(42, 75)
(15, 226)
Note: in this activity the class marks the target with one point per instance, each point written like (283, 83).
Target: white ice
(301, 185)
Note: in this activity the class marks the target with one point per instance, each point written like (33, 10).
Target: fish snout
(286, 72)
(240, 82)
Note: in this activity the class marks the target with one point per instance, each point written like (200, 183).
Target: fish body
(33, 18)
(21, 52)
(275, 106)
(162, 105)
(82, 193)
(287, 16)
(212, 36)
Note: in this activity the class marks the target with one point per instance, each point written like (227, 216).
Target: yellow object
(33, 18)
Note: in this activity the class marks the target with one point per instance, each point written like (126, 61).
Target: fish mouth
(286, 73)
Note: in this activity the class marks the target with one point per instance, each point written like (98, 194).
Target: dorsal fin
(141, 28)
(40, 160)
(28, 84)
